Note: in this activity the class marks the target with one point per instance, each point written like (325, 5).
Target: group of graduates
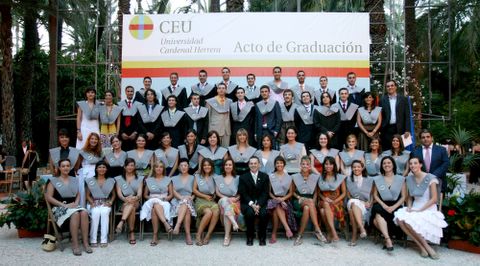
(297, 153)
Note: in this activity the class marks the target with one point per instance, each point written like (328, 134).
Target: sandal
(385, 246)
(352, 244)
(198, 241)
(104, 245)
(94, 245)
(289, 234)
(320, 236)
(188, 241)
(88, 249)
(273, 240)
(154, 243)
(132, 241)
(77, 251)
(363, 235)
(226, 241)
(298, 240)
(206, 241)
(120, 227)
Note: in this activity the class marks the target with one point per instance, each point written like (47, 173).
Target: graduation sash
(369, 118)
(152, 117)
(69, 190)
(72, 156)
(280, 187)
(363, 192)
(202, 113)
(171, 121)
(330, 186)
(417, 190)
(241, 158)
(90, 114)
(266, 108)
(229, 190)
(100, 192)
(305, 186)
(109, 118)
(240, 116)
(392, 193)
(220, 108)
(288, 115)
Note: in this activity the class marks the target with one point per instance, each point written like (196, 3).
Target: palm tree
(52, 69)
(8, 109)
(123, 8)
(234, 5)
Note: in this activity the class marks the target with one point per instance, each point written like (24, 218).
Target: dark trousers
(387, 135)
(249, 216)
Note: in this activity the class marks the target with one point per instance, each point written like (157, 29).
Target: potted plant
(27, 210)
(463, 218)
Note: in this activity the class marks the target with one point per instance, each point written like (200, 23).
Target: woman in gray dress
(324, 149)
(205, 204)
(109, 119)
(182, 203)
(229, 202)
(100, 196)
(399, 154)
(167, 154)
(281, 191)
(158, 193)
(90, 154)
(369, 121)
(359, 191)
(87, 117)
(373, 158)
(116, 158)
(143, 158)
(241, 152)
(62, 193)
(129, 190)
(349, 154)
(267, 155)
(292, 151)
(190, 150)
(214, 152)
(305, 198)
(389, 194)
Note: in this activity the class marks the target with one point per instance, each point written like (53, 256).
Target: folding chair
(8, 181)
(52, 223)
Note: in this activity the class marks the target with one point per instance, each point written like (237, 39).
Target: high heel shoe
(235, 227)
(320, 236)
(389, 249)
(289, 234)
(120, 227)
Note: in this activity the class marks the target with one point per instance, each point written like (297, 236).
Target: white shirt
(393, 103)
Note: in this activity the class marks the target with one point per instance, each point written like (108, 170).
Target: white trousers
(100, 216)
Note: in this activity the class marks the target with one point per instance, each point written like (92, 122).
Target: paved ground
(15, 251)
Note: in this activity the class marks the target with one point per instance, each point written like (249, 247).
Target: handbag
(26, 171)
(48, 243)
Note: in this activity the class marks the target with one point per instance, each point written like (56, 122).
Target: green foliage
(463, 217)
(27, 210)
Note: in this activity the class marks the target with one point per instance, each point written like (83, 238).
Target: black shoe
(249, 241)
(263, 242)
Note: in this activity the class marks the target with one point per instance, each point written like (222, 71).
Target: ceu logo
(141, 27)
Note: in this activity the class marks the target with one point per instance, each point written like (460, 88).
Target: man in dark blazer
(348, 117)
(197, 118)
(140, 94)
(175, 89)
(355, 93)
(129, 128)
(435, 158)
(394, 121)
(253, 188)
(268, 117)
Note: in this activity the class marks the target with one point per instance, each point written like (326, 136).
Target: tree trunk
(413, 70)
(30, 42)
(52, 70)
(8, 109)
(234, 5)
(214, 6)
(123, 8)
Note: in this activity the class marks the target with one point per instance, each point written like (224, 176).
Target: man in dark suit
(303, 118)
(253, 188)
(395, 115)
(348, 117)
(197, 118)
(140, 95)
(128, 120)
(435, 158)
(268, 117)
(355, 93)
(175, 89)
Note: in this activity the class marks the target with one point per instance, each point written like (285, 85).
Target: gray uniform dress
(228, 190)
(241, 159)
(347, 160)
(292, 155)
(168, 158)
(184, 189)
(142, 164)
(116, 164)
(266, 164)
(372, 166)
(216, 156)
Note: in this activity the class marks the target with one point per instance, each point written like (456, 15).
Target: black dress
(393, 230)
(31, 160)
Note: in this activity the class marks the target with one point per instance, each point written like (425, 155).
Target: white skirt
(428, 223)
(361, 205)
(146, 212)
